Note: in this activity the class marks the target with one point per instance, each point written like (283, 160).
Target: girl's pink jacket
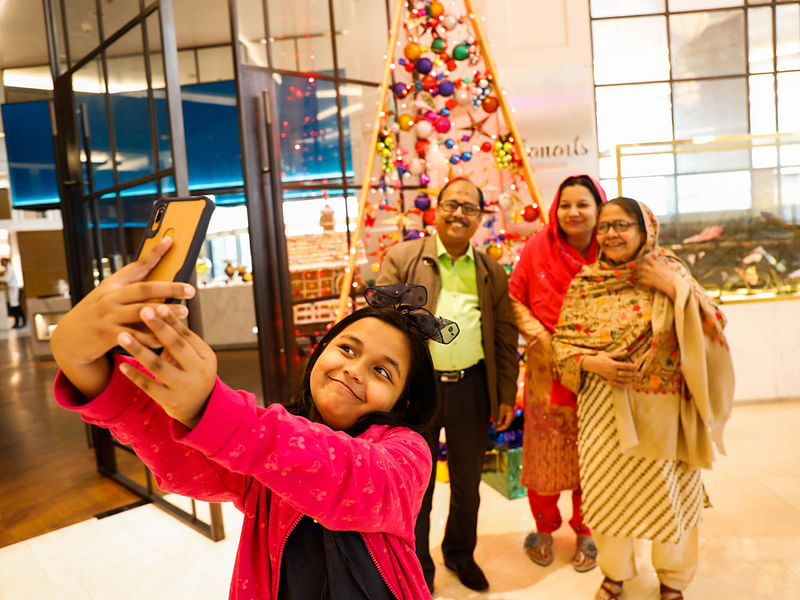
(276, 467)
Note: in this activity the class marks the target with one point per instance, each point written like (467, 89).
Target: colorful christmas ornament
(461, 52)
(412, 51)
(406, 122)
(446, 88)
(442, 124)
(424, 179)
(450, 22)
(495, 251)
(435, 9)
(422, 202)
(439, 45)
(530, 213)
(421, 147)
(424, 65)
(429, 81)
(400, 90)
(462, 97)
(490, 104)
(423, 129)
(429, 216)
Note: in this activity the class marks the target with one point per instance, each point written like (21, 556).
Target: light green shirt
(458, 301)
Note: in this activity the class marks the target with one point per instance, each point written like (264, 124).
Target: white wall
(542, 49)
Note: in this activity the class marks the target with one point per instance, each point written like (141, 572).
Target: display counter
(764, 338)
(44, 313)
(227, 315)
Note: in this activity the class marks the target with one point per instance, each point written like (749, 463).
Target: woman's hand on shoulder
(183, 375)
(654, 274)
(91, 328)
(611, 368)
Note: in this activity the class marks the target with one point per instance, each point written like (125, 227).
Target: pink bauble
(431, 116)
(442, 124)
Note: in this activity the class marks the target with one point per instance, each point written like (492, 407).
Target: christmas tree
(442, 114)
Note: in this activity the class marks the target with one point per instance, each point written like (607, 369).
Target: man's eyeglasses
(468, 208)
(618, 226)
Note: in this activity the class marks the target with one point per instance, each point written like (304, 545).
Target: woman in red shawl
(538, 284)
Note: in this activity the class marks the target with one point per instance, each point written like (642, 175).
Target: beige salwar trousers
(675, 564)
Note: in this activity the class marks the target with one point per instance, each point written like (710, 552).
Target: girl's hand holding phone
(186, 370)
(88, 331)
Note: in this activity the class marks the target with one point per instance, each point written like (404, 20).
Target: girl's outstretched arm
(88, 331)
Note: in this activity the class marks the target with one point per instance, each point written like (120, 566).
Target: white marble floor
(749, 547)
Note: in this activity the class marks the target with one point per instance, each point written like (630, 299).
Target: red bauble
(429, 81)
(450, 104)
(531, 212)
(490, 104)
(429, 216)
(409, 66)
(421, 147)
(486, 146)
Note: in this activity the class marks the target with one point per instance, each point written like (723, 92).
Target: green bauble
(460, 52)
(438, 45)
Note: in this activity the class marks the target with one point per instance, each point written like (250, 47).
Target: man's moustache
(464, 222)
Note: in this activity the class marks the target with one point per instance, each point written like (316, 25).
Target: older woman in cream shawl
(642, 345)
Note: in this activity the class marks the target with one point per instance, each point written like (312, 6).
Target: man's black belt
(456, 376)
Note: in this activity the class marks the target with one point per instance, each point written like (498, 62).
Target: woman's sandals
(609, 590)
(539, 548)
(668, 593)
(585, 558)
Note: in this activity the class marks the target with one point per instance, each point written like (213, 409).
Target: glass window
(633, 114)
(692, 100)
(307, 22)
(187, 67)
(252, 37)
(216, 64)
(759, 26)
(762, 104)
(707, 44)
(787, 34)
(678, 5)
(358, 28)
(693, 121)
(358, 114)
(628, 50)
(81, 28)
(308, 128)
(657, 192)
(763, 119)
(714, 192)
(117, 14)
(615, 8)
(788, 101)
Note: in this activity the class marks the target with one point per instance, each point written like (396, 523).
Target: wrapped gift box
(501, 470)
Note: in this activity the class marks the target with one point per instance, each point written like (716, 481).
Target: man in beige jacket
(476, 373)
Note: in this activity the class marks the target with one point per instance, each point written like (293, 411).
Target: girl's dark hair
(585, 182)
(416, 406)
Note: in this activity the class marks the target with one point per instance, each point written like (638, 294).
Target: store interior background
(582, 77)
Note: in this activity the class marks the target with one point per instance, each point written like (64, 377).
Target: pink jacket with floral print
(276, 467)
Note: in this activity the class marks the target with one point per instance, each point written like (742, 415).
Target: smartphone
(185, 220)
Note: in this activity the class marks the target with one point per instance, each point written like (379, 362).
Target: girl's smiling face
(362, 370)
